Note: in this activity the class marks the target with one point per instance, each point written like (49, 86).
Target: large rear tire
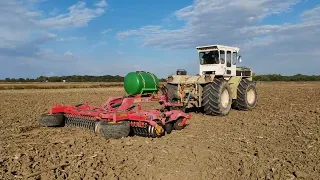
(246, 95)
(110, 130)
(217, 98)
(54, 120)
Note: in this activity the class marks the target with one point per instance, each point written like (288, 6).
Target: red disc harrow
(120, 117)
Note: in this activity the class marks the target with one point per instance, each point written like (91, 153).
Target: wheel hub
(251, 96)
(225, 98)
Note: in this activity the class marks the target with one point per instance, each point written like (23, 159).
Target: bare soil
(277, 140)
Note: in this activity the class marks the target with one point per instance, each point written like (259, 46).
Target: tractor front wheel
(217, 98)
(246, 95)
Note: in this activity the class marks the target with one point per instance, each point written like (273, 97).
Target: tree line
(74, 78)
(279, 77)
(110, 78)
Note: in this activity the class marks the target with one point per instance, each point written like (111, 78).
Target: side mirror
(239, 59)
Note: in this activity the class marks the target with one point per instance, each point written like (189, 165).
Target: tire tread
(55, 120)
(241, 101)
(114, 131)
(211, 98)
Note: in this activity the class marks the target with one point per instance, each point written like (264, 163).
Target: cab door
(230, 63)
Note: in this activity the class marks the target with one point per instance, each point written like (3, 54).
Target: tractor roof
(217, 47)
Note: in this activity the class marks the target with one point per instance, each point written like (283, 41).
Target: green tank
(140, 82)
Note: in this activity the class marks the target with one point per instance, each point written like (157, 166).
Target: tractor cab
(218, 60)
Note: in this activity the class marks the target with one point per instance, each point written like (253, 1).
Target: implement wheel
(217, 98)
(176, 124)
(246, 95)
(111, 130)
(55, 120)
(169, 127)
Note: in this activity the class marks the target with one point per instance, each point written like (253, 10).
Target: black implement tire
(217, 98)
(176, 124)
(172, 92)
(110, 130)
(55, 120)
(246, 95)
(169, 127)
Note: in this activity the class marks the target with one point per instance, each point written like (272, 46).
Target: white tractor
(219, 85)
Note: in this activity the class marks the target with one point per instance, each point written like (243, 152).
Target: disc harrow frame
(147, 123)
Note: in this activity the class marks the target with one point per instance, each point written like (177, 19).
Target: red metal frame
(108, 112)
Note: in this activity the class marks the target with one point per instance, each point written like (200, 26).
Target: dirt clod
(300, 174)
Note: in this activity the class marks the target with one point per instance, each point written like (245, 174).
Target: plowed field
(277, 140)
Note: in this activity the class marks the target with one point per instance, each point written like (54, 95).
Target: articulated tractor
(218, 87)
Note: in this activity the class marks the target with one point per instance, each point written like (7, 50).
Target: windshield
(209, 57)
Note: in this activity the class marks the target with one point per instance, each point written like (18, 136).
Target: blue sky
(58, 37)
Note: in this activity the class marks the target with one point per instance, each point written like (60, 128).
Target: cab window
(234, 58)
(209, 57)
(228, 58)
(222, 57)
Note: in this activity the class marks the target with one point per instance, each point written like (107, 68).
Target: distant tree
(41, 79)
(21, 80)
(278, 77)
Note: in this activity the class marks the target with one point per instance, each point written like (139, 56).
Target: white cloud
(307, 53)
(101, 4)
(78, 16)
(206, 20)
(18, 27)
(54, 12)
(27, 29)
(102, 43)
(35, 1)
(72, 38)
(143, 31)
(238, 23)
(48, 62)
(312, 15)
(51, 35)
(106, 31)
(43, 52)
(25, 48)
(68, 53)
